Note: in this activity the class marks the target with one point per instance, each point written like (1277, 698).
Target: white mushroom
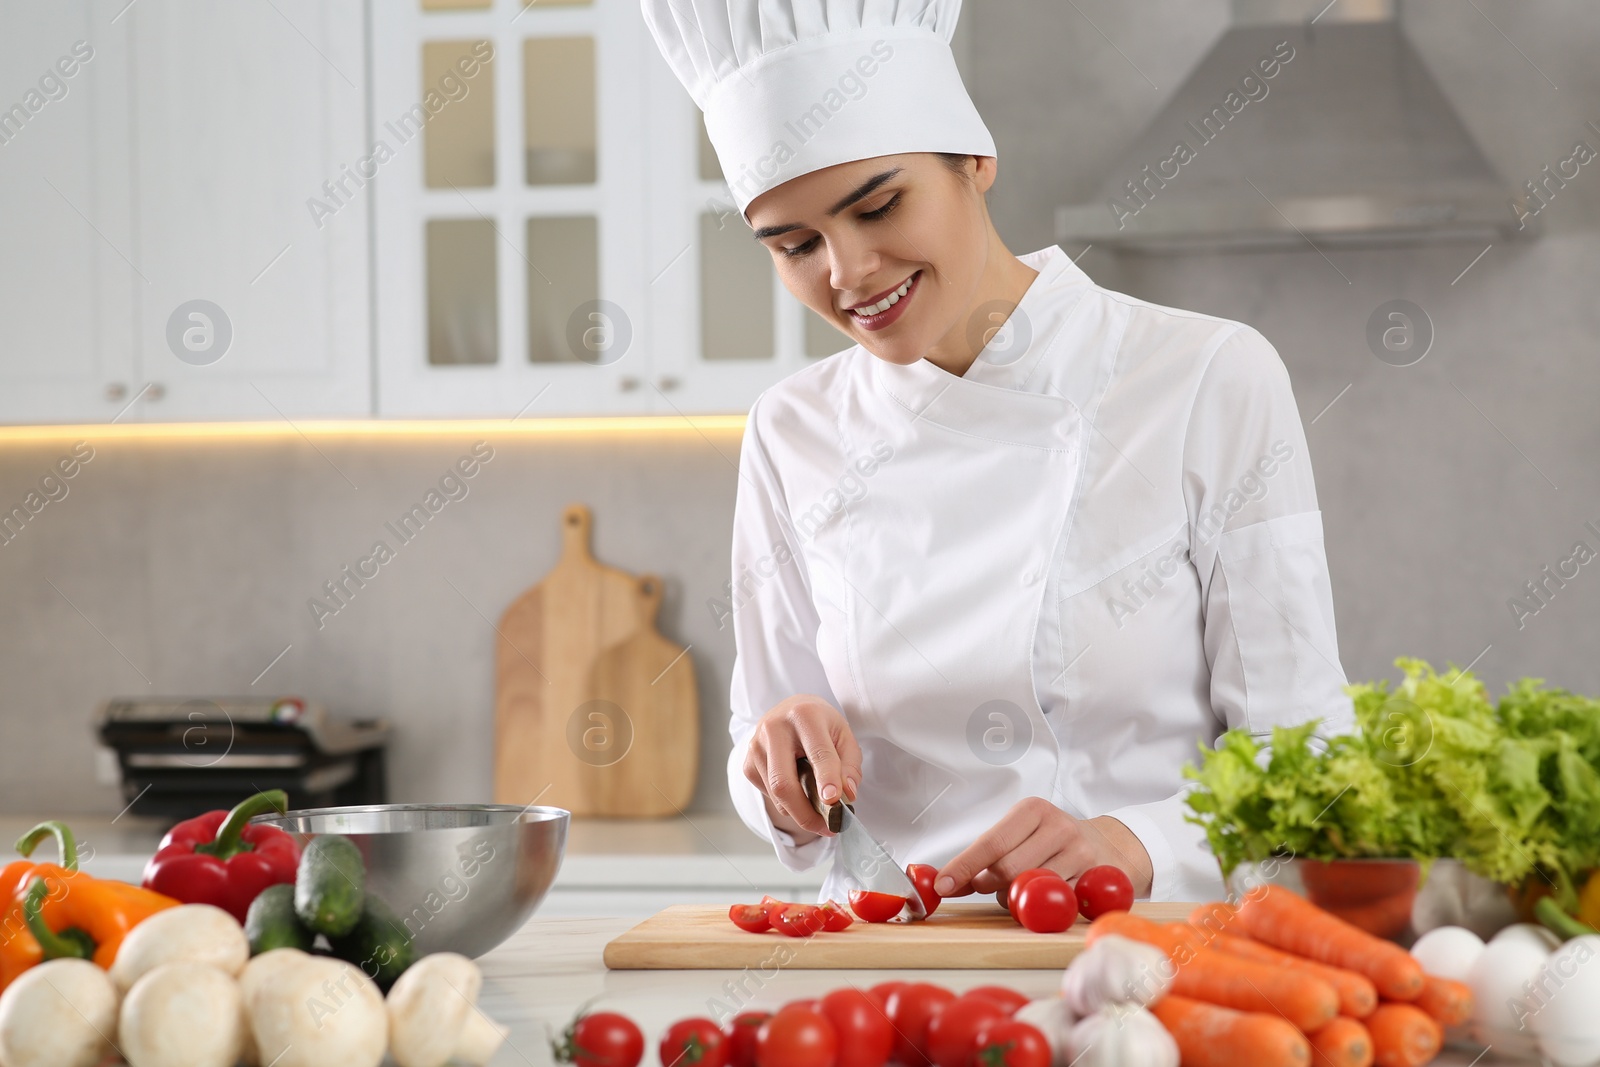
(61, 1013)
(182, 1015)
(262, 969)
(190, 933)
(433, 1014)
(322, 1012)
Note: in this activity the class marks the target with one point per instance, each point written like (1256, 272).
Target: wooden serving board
(957, 936)
(594, 710)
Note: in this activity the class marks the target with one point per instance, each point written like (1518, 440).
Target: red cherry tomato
(741, 1034)
(1009, 1043)
(922, 876)
(875, 907)
(1009, 999)
(1021, 880)
(866, 1037)
(883, 989)
(836, 916)
(952, 1031)
(694, 1042)
(797, 1037)
(601, 1039)
(1046, 905)
(797, 920)
(751, 917)
(910, 1009)
(1103, 889)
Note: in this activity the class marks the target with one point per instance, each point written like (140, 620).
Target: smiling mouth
(892, 298)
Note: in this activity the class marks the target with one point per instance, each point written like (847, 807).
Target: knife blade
(867, 864)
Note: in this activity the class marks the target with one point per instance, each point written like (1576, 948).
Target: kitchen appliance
(969, 936)
(178, 758)
(459, 877)
(595, 711)
(1304, 121)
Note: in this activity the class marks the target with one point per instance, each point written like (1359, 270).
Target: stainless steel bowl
(461, 877)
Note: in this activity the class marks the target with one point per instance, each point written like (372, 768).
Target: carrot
(1278, 917)
(1357, 996)
(1306, 1000)
(1217, 917)
(1176, 939)
(1447, 1001)
(1403, 1035)
(1342, 1043)
(1211, 1036)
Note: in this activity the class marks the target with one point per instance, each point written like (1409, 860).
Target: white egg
(1500, 978)
(1532, 933)
(1564, 1002)
(1448, 952)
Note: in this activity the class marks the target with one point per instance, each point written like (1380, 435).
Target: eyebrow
(862, 191)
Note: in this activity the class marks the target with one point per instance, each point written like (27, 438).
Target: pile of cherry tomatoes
(914, 1024)
(1039, 899)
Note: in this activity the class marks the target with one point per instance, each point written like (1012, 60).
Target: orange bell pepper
(56, 910)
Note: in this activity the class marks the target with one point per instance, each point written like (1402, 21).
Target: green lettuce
(1435, 769)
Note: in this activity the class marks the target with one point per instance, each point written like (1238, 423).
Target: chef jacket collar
(1000, 397)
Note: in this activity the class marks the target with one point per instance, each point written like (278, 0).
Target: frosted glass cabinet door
(68, 274)
(253, 173)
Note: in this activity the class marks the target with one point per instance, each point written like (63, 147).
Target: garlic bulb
(1122, 1035)
(1054, 1020)
(1116, 970)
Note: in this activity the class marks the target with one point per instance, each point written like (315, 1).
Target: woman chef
(999, 568)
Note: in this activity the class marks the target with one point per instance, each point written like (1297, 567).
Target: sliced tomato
(873, 907)
(1008, 999)
(797, 920)
(922, 876)
(751, 917)
(837, 916)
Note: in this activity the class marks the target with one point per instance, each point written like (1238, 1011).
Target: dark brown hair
(956, 161)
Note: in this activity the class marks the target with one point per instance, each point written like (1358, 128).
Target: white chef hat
(792, 86)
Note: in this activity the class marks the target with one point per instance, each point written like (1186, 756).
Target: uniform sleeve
(1255, 537)
(774, 625)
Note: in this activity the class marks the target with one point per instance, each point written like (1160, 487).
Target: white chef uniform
(1055, 576)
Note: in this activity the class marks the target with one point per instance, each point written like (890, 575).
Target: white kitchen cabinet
(179, 166)
(69, 286)
(250, 119)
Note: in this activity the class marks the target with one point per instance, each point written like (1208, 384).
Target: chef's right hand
(806, 726)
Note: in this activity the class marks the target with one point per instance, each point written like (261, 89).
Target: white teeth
(887, 302)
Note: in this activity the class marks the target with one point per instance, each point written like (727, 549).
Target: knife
(868, 865)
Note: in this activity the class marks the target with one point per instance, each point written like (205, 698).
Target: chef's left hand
(1036, 833)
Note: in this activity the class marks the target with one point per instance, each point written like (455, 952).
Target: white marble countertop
(538, 979)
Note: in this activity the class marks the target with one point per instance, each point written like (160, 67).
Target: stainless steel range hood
(1301, 126)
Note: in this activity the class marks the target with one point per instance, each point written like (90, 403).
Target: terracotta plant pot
(1374, 895)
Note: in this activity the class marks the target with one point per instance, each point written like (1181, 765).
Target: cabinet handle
(627, 384)
(155, 391)
(667, 383)
(116, 391)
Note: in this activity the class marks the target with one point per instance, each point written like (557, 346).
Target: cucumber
(330, 886)
(271, 922)
(380, 944)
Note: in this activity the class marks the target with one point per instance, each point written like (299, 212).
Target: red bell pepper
(219, 858)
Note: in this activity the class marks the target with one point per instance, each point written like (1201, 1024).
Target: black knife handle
(832, 814)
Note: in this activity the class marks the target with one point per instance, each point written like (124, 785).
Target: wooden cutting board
(575, 659)
(964, 936)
